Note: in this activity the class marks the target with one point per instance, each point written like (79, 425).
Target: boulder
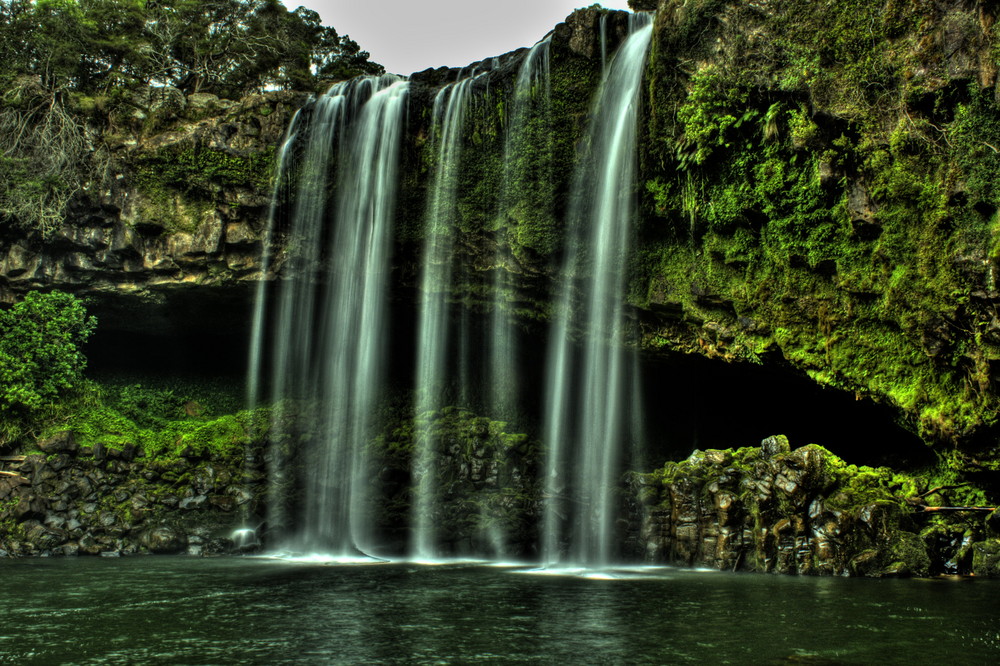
(42, 537)
(163, 540)
(774, 445)
(986, 558)
(166, 101)
(64, 441)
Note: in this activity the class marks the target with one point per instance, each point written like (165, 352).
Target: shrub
(40, 355)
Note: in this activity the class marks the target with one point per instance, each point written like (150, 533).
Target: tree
(40, 350)
(66, 66)
(227, 47)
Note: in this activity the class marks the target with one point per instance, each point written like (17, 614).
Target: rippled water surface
(258, 611)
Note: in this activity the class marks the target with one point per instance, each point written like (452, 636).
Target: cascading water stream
(291, 326)
(527, 160)
(588, 392)
(354, 331)
(433, 341)
(255, 359)
(329, 325)
(257, 325)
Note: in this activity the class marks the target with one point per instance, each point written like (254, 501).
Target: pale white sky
(409, 36)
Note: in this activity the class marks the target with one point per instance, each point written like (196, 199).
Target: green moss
(862, 520)
(164, 422)
(846, 233)
(986, 558)
(484, 475)
(197, 169)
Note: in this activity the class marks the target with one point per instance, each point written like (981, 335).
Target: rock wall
(767, 509)
(771, 509)
(72, 500)
(486, 476)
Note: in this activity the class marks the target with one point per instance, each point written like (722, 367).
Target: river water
(177, 610)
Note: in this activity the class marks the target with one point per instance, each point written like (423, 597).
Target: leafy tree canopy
(40, 355)
(226, 47)
(67, 67)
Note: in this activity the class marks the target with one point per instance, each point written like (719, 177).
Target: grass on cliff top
(163, 419)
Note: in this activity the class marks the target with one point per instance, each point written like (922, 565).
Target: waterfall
(603, 30)
(587, 388)
(433, 344)
(257, 323)
(527, 161)
(255, 361)
(328, 329)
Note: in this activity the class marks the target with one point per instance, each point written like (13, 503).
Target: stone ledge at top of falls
(187, 203)
(186, 206)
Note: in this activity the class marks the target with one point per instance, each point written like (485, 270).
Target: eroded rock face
(804, 511)
(187, 206)
(107, 501)
(486, 480)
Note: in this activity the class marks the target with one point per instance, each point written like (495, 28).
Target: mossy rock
(986, 558)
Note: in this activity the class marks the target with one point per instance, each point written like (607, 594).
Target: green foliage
(227, 47)
(163, 419)
(811, 197)
(71, 71)
(202, 170)
(711, 109)
(40, 354)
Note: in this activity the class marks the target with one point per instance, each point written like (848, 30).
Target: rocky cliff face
(73, 500)
(185, 207)
(774, 510)
(824, 198)
(771, 509)
(819, 195)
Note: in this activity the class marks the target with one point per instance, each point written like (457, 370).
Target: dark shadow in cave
(697, 403)
(182, 333)
(690, 402)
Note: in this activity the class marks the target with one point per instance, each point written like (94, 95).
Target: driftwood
(15, 476)
(919, 507)
(940, 488)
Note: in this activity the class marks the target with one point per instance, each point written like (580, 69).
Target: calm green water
(222, 611)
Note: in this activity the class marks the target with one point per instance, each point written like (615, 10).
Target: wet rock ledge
(805, 511)
(72, 500)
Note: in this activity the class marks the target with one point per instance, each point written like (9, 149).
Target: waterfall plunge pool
(173, 610)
